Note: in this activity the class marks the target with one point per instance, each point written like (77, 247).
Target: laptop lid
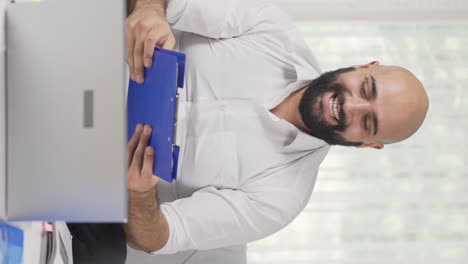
(66, 140)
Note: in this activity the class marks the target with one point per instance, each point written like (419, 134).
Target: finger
(170, 43)
(133, 143)
(130, 50)
(148, 163)
(150, 44)
(154, 180)
(152, 40)
(138, 57)
(137, 161)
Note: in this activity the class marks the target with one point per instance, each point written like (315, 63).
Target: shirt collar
(303, 141)
(297, 140)
(294, 138)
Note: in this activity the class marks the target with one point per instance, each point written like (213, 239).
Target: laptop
(66, 119)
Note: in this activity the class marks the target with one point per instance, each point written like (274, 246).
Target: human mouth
(333, 106)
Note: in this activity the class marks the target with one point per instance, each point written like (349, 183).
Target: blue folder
(154, 102)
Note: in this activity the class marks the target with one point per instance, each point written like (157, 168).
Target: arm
(159, 5)
(147, 228)
(211, 217)
(217, 19)
(150, 21)
(214, 218)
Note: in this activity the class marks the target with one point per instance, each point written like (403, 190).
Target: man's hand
(141, 181)
(147, 28)
(147, 228)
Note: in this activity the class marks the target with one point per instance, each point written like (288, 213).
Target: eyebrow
(374, 116)
(374, 88)
(376, 124)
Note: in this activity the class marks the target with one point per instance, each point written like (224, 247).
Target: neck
(288, 109)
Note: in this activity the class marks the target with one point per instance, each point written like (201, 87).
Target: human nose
(352, 107)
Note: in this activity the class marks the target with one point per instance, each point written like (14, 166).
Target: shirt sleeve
(220, 18)
(214, 218)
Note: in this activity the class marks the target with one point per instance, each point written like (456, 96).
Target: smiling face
(366, 106)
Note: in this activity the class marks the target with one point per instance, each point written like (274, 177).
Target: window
(407, 203)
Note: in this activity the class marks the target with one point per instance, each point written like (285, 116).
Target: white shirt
(244, 174)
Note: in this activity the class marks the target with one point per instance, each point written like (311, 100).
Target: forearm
(147, 228)
(159, 5)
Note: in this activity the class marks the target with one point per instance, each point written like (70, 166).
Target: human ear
(371, 145)
(370, 64)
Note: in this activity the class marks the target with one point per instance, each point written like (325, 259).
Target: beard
(312, 113)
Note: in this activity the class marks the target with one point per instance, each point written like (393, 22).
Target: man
(255, 122)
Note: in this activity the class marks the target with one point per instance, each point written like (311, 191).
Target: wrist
(147, 199)
(158, 6)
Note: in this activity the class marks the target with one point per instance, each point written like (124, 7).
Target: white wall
(374, 10)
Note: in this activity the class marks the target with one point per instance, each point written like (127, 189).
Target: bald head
(409, 99)
(366, 105)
